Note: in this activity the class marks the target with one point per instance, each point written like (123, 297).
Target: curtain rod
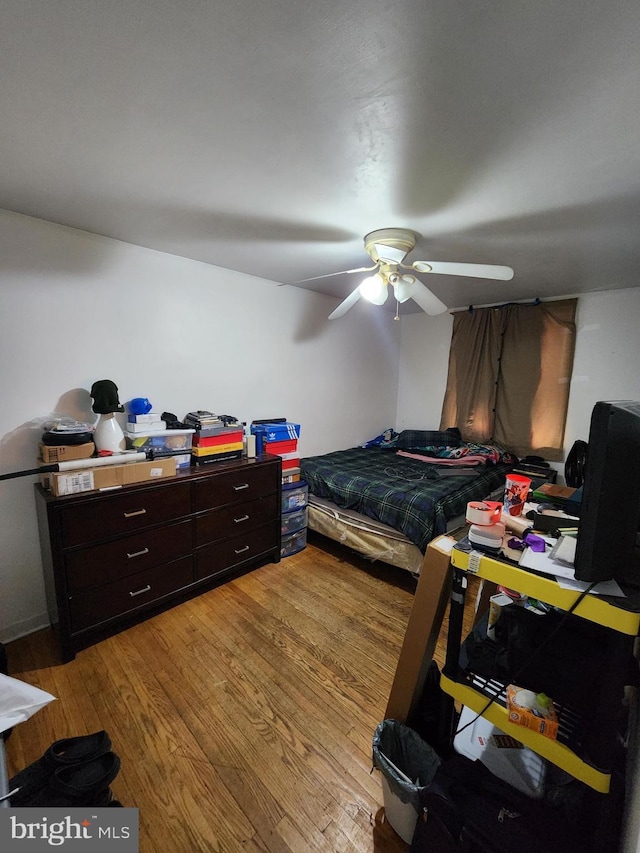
(515, 302)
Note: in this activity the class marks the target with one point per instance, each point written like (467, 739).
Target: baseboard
(9, 633)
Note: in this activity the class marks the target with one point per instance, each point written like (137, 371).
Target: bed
(388, 499)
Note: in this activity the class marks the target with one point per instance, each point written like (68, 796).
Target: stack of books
(215, 439)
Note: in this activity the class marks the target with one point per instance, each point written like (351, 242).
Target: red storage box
(216, 440)
(279, 447)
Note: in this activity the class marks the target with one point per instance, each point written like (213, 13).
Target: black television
(608, 544)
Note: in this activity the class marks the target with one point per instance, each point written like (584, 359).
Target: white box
(147, 426)
(503, 755)
(149, 418)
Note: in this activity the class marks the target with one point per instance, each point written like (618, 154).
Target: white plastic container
(504, 756)
(496, 603)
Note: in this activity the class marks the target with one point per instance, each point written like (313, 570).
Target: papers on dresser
(563, 571)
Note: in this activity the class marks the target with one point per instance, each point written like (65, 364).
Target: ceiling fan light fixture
(388, 248)
(403, 287)
(374, 289)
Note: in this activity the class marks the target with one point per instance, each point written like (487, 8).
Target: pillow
(416, 439)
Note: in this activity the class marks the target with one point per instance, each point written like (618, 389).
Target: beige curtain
(509, 376)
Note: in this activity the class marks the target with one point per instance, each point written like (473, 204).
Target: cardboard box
(278, 448)
(110, 476)
(231, 437)
(267, 433)
(146, 427)
(544, 723)
(291, 464)
(52, 453)
(149, 418)
(219, 429)
(427, 612)
(216, 457)
(216, 449)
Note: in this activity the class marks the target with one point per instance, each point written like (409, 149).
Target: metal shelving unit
(476, 692)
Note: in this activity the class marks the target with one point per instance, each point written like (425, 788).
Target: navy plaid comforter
(412, 496)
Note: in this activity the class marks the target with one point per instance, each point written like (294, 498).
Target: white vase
(108, 434)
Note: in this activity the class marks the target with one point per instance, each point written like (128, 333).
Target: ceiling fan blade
(472, 270)
(427, 300)
(331, 274)
(347, 303)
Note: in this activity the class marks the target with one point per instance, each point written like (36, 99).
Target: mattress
(369, 538)
(407, 495)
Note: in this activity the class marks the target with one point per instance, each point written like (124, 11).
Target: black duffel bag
(466, 809)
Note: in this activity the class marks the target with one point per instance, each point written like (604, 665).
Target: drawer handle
(136, 512)
(140, 591)
(138, 553)
(241, 550)
(238, 520)
(241, 487)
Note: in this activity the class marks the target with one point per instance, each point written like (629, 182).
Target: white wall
(75, 308)
(605, 365)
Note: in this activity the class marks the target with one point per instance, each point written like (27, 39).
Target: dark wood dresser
(114, 558)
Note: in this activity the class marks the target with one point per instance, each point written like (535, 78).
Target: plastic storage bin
(293, 542)
(504, 756)
(294, 495)
(166, 443)
(294, 521)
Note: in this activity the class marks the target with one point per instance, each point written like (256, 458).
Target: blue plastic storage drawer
(294, 495)
(293, 542)
(294, 520)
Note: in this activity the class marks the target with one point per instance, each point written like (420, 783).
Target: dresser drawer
(126, 512)
(215, 558)
(100, 564)
(234, 520)
(88, 609)
(232, 487)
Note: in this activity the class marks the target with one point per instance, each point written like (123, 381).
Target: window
(509, 376)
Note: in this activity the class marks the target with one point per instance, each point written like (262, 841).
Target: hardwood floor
(243, 718)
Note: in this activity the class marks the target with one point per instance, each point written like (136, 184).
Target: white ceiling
(270, 137)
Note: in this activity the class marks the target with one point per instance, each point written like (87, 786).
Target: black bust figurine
(105, 397)
(108, 435)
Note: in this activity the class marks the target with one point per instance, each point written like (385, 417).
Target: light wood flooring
(243, 718)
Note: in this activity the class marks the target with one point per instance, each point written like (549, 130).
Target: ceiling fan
(388, 247)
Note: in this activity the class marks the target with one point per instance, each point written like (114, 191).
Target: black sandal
(64, 753)
(84, 784)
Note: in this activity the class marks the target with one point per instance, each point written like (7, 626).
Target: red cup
(516, 489)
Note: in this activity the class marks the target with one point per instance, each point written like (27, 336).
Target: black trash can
(407, 764)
